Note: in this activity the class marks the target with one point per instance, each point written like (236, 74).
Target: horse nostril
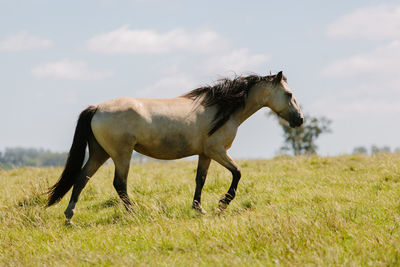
(300, 121)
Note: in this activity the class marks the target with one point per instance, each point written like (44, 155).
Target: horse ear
(278, 77)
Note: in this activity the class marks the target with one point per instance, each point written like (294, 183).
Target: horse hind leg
(97, 157)
(122, 164)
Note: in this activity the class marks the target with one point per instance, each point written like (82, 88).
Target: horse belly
(173, 146)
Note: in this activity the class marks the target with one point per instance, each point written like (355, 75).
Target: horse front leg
(224, 202)
(202, 169)
(222, 157)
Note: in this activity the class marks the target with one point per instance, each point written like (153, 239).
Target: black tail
(76, 157)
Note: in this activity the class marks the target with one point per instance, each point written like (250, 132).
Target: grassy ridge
(288, 211)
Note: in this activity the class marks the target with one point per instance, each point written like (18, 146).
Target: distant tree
(301, 140)
(52, 159)
(385, 149)
(375, 149)
(360, 150)
(20, 157)
(17, 157)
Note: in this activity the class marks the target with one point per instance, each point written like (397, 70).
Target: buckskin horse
(201, 122)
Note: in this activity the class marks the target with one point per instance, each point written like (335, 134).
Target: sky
(341, 58)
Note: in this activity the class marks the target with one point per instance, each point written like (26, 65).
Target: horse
(201, 122)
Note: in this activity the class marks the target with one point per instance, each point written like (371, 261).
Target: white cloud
(68, 70)
(384, 61)
(128, 41)
(23, 41)
(239, 61)
(172, 86)
(372, 23)
(368, 85)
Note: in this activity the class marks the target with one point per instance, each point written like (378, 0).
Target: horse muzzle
(296, 122)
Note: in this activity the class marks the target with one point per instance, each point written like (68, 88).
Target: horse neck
(255, 101)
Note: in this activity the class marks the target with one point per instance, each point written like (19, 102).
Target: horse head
(282, 101)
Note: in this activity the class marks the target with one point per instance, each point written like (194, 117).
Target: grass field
(340, 211)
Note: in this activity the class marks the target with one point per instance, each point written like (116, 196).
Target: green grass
(340, 211)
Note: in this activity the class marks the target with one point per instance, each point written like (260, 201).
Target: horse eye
(289, 94)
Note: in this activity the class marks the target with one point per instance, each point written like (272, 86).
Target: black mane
(229, 95)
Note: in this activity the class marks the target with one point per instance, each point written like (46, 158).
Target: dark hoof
(68, 223)
(222, 206)
(224, 202)
(69, 213)
(197, 207)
